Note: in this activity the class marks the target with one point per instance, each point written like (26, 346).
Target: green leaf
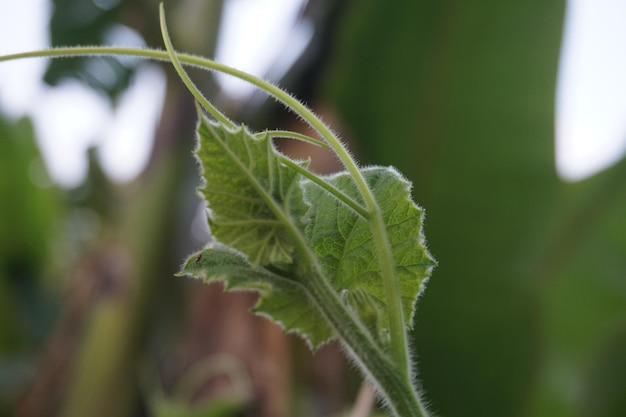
(283, 299)
(343, 241)
(254, 200)
(244, 185)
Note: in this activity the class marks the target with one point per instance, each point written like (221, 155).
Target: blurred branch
(364, 402)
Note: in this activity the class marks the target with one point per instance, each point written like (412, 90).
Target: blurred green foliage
(523, 315)
(88, 22)
(29, 218)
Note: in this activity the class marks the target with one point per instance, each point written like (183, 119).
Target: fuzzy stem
(341, 196)
(219, 116)
(295, 135)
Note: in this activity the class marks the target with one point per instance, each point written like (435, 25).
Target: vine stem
(399, 347)
(295, 135)
(340, 195)
(397, 326)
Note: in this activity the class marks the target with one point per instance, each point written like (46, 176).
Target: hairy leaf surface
(343, 241)
(257, 204)
(243, 178)
(283, 299)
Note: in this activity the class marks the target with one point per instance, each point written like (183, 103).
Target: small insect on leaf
(198, 257)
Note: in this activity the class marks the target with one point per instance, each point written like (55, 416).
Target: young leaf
(256, 204)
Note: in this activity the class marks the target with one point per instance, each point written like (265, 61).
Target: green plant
(334, 257)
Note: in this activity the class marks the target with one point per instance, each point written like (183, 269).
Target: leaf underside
(283, 299)
(238, 170)
(256, 204)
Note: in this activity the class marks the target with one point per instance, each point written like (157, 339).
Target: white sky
(70, 119)
(591, 95)
(260, 51)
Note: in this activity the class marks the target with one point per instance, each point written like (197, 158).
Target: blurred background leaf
(460, 97)
(29, 210)
(88, 23)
